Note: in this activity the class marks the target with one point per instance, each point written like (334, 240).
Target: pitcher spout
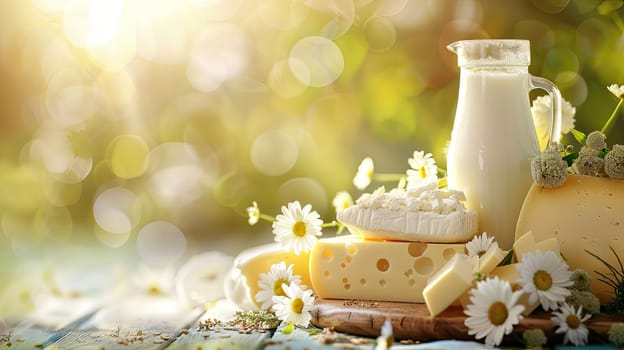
(454, 47)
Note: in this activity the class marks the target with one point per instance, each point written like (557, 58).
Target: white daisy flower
(480, 244)
(386, 338)
(254, 213)
(296, 228)
(154, 281)
(271, 283)
(544, 276)
(617, 90)
(342, 201)
(493, 310)
(570, 322)
(423, 169)
(202, 278)
(364, 174)
(295, 307)
(541, 111)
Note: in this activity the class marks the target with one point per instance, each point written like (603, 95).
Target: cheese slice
(526, 244)
(350, 267)
(585, 213)
(242, 281)
(404, 225)
(450, 283)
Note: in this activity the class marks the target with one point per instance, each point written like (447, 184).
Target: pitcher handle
(555, 112)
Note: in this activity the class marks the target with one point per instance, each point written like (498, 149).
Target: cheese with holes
(585, 213)
(526, 244)
(421, 215)
(242, 282)
(449, 283)
(350, 267)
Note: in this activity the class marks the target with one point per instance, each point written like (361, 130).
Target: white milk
(491, 146)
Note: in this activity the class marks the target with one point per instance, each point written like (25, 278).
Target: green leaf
(609, 6)
(290, 327)
(579, 136)
(443, 182)
(569, 158)
(507, 259)
(603, 153)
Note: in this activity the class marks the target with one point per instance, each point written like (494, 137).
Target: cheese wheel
(585, 214)
(242, 281)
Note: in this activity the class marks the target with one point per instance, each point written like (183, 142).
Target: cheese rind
(350, 267)
(585, 214)
(385, 223)
(448, 284)
(242, 281)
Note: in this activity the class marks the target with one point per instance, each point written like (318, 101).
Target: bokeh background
(142, 129)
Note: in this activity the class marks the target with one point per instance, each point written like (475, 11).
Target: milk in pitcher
(494, 178)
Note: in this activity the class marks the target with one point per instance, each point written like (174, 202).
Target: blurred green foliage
(215, 108)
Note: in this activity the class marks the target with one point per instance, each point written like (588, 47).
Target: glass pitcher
(493, 137)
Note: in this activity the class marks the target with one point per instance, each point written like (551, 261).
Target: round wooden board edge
(412, 320)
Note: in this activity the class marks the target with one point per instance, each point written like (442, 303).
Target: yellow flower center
(497, 313)
(297, 305)
(299, 229)
(277, 287)
(423, 172)
(153, 290)
(573, 321)
(542, 280)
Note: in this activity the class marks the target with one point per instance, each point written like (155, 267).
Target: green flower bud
(614, 162)
(582, 280)
(588, 163)
(534, 338)
(549, 169)
(616, 334)
(586, 299)
(596, 141)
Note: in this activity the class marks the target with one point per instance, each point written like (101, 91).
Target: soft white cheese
(426, 214)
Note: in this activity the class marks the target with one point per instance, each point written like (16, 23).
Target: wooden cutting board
(412, 321)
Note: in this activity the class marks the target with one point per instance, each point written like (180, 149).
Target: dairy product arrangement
(510, 234)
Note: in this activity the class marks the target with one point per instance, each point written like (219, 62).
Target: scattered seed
(158, 341)
(165, 336)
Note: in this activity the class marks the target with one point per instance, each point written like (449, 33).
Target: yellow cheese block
(526, 244)
(484, 265)
(242, 284)
(450, 283)
(490, 259)
(585, 213)
(350, 267)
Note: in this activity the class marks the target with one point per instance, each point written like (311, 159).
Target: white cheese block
(349, 267)
(585, 213)
(241, 283)
(415, 226)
